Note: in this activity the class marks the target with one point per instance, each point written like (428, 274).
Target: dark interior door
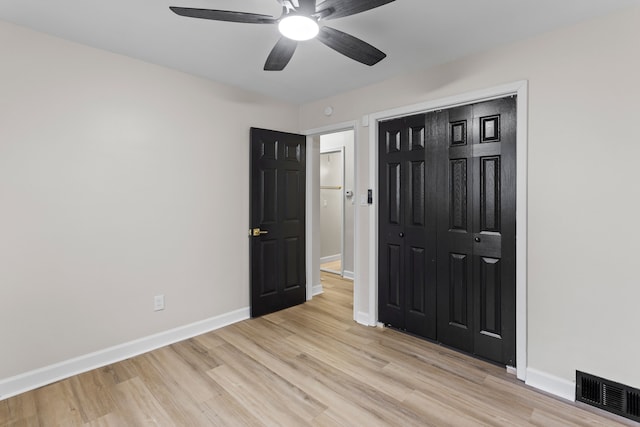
(476, 229)
(277, 215)
(406, 275)
(455, 239)
(447, 227)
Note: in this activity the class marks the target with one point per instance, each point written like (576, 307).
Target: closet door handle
(477, 239)
(401, 234)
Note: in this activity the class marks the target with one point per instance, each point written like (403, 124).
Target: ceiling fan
(298, 22)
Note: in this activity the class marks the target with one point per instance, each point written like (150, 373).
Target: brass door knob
(257, 232)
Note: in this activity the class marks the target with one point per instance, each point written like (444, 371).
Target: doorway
(337, 203)
(331, 141)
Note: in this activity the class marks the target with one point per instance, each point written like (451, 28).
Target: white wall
(119, 180)
(583, 284)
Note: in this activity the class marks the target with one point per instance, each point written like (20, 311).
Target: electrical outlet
(158, 303)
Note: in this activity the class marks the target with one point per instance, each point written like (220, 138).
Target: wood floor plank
(332, 265)
(250, 371)
(295, 325)
(293, 371)
(18, 408)
(463, 394)
(30, 421)
(224, 411)
(108, 420)
(93, 392)
(353, 363)
(56, 405)
(272, 412)
(209, 341)
(436, 413)
(176, 386)
(119, 372)
(307, 365)
(196, 354)
(138, 406)
(386, 409)
(168, 365)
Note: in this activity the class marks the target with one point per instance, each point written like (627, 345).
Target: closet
(447, 192)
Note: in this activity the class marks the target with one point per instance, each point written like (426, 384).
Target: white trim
(312, 201)
(551, 384)
(317, 290)
(330, 258)
(348, 274)
(343, 219)
(522, 221)
(49, 374)
(363, 318)
(335, 128)
(519, 88)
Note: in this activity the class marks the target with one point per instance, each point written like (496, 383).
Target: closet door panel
(391, 218)
(454, 230)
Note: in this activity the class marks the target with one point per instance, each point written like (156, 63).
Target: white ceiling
(415, 34)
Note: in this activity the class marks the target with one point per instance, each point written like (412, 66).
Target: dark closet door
(277, 215)
(476, 229)
(406, 273)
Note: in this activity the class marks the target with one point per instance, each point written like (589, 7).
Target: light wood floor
(308, 365)
(334, 266)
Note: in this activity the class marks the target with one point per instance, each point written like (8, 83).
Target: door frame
(314, 287)
(520, 89)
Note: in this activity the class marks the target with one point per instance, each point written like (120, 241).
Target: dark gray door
(406, 271)
(277, 215)
(476, 229)
(447, 183)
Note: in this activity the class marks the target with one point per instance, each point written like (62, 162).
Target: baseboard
(330, 258)
(317, 290)
(348, 275)
(40, 377)
(363, 318)
(551, 384)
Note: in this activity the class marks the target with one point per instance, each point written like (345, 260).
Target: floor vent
(613, 397)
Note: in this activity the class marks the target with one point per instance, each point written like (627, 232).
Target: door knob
(256, 232)
(401, 234)
(477, 239)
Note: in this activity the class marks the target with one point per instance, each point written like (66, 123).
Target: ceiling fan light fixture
(298, 27)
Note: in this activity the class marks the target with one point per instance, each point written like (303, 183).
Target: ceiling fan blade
(224, 15)
(280, 54)
(331, 9)
(350, 46)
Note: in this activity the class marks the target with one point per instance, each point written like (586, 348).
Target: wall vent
(613, 397)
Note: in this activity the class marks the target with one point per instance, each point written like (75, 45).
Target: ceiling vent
(613, 397)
